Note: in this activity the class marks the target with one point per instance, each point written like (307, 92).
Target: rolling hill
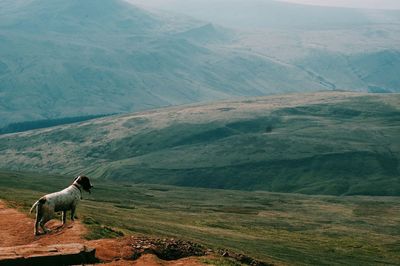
(339, 143)
(73, 58)
(79, 58)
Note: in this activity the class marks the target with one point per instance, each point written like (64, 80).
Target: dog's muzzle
(87, 189)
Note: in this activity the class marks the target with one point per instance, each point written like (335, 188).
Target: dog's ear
(85, 183)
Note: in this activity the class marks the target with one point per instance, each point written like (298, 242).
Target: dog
(64, 200)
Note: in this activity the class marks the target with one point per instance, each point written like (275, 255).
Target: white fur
(48, 205)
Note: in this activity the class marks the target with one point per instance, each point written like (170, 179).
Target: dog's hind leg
(39, 215)
(47, 213)
(42, 223)
(44, 228)
(37, 221)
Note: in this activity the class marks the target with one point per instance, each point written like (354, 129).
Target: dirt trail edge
(16, 229)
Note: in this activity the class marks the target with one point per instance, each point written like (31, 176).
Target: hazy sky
(248, 14)
(375, 4)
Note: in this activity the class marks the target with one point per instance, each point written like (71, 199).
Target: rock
(225, 254)
(60, 254)
(243, 259)
(166, 249)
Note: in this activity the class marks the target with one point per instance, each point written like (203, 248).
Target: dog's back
(63, 200)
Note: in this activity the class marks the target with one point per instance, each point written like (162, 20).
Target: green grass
(98, 231)
(323, 143)
(220, 261)
(284, 228)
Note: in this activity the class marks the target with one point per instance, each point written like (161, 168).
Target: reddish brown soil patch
(17, 229)
(145, 251)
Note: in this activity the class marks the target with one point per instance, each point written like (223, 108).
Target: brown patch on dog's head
(84, 182)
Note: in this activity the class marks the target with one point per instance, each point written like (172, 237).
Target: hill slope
(79, 58)
(73, 58)
(321, 143)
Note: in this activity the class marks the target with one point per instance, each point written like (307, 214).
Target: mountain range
(80, 58)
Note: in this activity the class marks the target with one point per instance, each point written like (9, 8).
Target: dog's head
(84, 182)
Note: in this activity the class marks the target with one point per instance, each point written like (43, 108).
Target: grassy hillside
(322, 143)
(30, 125)
(280, 228)
(77, 58)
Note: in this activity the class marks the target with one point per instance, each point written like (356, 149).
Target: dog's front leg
(73, 208)
(64, 217)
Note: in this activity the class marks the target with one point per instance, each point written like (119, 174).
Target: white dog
(63, 201)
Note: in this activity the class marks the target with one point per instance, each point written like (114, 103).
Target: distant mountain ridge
(71, 58)
(336, 143)
(77, 58)
(272, 14)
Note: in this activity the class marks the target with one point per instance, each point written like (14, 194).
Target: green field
(280, 228)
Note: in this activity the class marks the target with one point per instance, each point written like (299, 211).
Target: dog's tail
(41, 201)
(34, 206)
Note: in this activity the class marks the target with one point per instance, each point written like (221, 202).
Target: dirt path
(16, 228)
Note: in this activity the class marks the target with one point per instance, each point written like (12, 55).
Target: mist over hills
(317, 143)
(273, 14)
(77, 58)
(340, 48)
(68, 58)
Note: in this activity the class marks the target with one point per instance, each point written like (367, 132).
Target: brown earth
(16, 228)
